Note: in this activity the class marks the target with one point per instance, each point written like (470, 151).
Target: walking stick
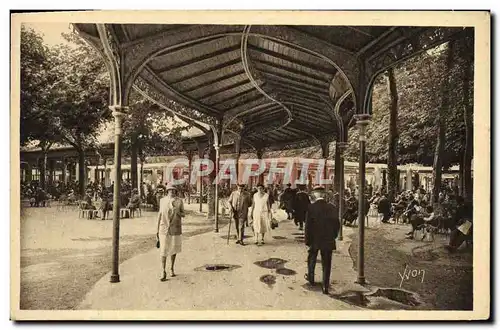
(229, 228)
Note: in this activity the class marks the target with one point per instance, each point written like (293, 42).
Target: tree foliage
(419, 82)
(152, 128)
(80, 94)
(36, 73)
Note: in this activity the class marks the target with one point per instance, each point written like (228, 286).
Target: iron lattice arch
(281, 86)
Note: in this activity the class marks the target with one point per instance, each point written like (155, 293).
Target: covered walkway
(258, 87)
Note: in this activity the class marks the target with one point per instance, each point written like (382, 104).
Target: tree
(36, 73)
(468, 95)
(392, 166)
(79, 98)
(441, 124)
(149, 131)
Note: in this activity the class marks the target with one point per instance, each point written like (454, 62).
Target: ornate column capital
(118, 113)
(362, 120)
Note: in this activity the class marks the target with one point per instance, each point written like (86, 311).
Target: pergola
(258, 87)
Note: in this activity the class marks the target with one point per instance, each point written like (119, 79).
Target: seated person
(351, 213)
(106, 203)
(460, 235)
(463, 232)
(421, 217)
(87, 201)
(135, 201)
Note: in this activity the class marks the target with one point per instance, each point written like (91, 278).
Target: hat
(288, 184)
(260, 185)
(170, 186)
(242, 185)
(135, 190)
(319, 188)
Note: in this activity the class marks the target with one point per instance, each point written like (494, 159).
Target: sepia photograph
(232, 165)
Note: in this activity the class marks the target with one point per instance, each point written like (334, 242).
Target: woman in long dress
(169, 228)
(261, 214)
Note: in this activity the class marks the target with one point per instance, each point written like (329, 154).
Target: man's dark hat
(288, 184)
(242, 185)
(260, 185)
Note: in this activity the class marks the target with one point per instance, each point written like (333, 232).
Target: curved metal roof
(277, 86)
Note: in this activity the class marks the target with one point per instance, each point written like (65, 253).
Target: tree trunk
(133, 161)
(441, 123)
(392, 166)
(466, 171)
(81, 172)
(43, 170)
(142, 192)
(461, 181)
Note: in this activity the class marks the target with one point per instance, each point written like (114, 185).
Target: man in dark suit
(322, 227)
(240, 201)
(287, 201)
(301, 204)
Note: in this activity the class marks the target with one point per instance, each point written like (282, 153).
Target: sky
(51, 32)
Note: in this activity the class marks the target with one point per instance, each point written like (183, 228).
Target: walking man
(322, 227)
(302, 202)
(240, 201)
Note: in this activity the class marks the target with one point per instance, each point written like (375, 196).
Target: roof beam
(307, 110)
(375, 41)
(272, 107)
(309, 75)
(329, 43)
(264, 119)
(207, 70)
(317, 125)
(223, 89)
(298, 130)
(311, 66)
(261, 108)
(153, 35)
(242, 106)
(199, 58)
(293, 89)
(296, 83)
(233, 97)
(304, 82)
(213, 81)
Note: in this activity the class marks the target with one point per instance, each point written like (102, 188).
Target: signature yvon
(411, 273)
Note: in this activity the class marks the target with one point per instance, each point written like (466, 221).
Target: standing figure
(169, 228)
(286, 200)
(240, 201)
(384, 207)
(302, 202)
(261, 214)
(322, 227)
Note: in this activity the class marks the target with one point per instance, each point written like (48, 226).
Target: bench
(87, 213)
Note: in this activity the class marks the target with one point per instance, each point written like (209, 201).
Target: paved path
(62, 256)
(241, 288)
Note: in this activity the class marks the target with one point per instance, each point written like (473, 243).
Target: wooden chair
(133, 212)
(426, 230)
(124, 212)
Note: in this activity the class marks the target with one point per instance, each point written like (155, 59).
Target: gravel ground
(59, 278)
(447, 283)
